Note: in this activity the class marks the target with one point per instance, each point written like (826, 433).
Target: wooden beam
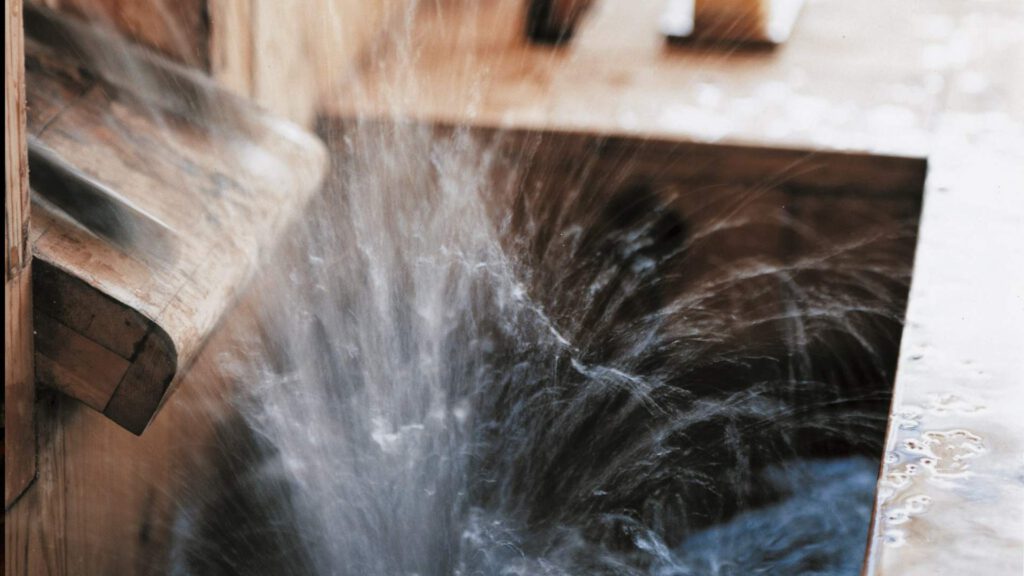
(289, 55)
(192, 184)
(19, 390)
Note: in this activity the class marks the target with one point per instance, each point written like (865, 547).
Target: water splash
(496, 354)
(460, 371)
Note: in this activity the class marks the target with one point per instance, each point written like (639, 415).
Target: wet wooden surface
(217, 177)
(893, 82)
(858, 79)
(951, 495)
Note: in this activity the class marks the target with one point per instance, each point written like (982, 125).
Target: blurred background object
(553, 21)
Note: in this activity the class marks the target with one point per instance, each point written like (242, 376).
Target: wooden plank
(950, 498)
(75, 365)
(221, 177)
(145, 385)
(106, 501)
(231, 44)
(823, 90)
(654, 160)
(85, 310)
(280, 44)
(176, 28)
(19, 389)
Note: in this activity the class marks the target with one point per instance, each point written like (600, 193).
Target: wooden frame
(957, 391)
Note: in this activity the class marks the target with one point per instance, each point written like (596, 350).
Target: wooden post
(19, 389)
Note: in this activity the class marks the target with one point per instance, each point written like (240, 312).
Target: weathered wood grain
(76, 365)
(19, 427)
(286, 54)
(176, 28)
(221, 177)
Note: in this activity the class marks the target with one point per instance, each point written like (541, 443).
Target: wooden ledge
(188, 187)
(93, 347)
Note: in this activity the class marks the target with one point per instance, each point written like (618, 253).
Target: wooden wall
(106, 501)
